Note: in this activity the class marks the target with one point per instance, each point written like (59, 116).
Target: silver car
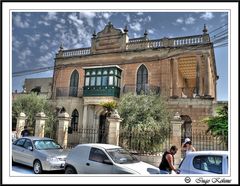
(99, 158)
(43, 154)
(205, 162)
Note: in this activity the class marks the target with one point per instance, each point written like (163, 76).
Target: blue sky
(36, 36)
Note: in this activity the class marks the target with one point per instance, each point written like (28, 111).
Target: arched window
(74, 120)
(142, 79)
(74, 84)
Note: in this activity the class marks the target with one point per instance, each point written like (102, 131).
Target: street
(19, 169)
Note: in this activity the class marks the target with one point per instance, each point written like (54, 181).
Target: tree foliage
(31, 104)
(109, 106)
(146, 117)
(218, 125)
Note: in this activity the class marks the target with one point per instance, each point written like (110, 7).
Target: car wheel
(37, 167)
(70, 170)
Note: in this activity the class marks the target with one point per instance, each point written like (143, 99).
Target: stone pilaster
(176, 123)
(40, 124)
(207, 77)
(62, 131)
(175, 77)
(113, 131)
(21, 119)
(198, 75)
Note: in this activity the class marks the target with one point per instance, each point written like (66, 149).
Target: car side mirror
(107, 161)
(30, 148)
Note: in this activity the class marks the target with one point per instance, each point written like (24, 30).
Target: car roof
(100, 145)
(36, 138)
(213, 152)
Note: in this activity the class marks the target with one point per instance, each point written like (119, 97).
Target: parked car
(205, 162)
(43, 154)
(105, 159)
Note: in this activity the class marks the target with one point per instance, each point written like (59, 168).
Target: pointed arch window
(74, 84)
(74, 120)
(142, 79)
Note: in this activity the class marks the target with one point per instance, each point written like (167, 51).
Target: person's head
(25, 127)
(187, 141)
(173, 150)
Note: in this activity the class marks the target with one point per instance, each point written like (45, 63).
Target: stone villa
(183, 69)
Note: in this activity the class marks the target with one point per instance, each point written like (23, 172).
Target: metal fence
(147, 142)
(89, 135)
(202, 140)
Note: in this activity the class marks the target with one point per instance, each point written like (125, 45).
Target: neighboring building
(42, 86)
(183, 69)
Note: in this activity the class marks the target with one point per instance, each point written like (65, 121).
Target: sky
(36, 36)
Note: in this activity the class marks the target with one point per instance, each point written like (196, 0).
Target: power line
(32, 71)
(218, 28)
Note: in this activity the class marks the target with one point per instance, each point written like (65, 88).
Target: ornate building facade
(182, 69)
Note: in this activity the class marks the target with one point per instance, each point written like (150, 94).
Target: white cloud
(46, 35)
(101, 25)
(75, 20)
(127, 17)
(46, 59)
(20, 23)
(107, 15)
(63, 21)
(184, 28)
(52, 16)
(58, 27)
(44, 47)
(16, 44)
(135, 26)
(179, 20)
(207, 16)
(224, 14)
(149, 18)
(43, 23)
(150, 31)
(136, 35)
(189, 20)
(89, 16)
(32, 39)
(24, 58)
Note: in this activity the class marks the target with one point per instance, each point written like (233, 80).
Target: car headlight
(52, 159)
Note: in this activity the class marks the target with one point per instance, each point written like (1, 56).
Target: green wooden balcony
(101, 91)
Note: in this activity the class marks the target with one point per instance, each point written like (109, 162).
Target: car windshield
(121, 156)
(46, 144)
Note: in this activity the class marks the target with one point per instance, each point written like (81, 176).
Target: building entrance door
(102, 132)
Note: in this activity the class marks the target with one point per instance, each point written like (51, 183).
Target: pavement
(19, 169)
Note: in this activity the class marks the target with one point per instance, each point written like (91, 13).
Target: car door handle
(87, 164)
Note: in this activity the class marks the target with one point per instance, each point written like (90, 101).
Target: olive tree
(146, 120)
(31, 104)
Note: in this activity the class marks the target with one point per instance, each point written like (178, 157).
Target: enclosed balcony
(102, 81)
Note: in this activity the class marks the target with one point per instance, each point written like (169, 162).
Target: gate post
(40, 124)
(176, 123)
(113, 130)
(20, 123)
(62, 130)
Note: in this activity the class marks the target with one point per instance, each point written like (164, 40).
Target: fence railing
(89, 135)
(144, 142)
(145, 88)
(206, 141)
(76, 52)
(69, 92)
(142, 43)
